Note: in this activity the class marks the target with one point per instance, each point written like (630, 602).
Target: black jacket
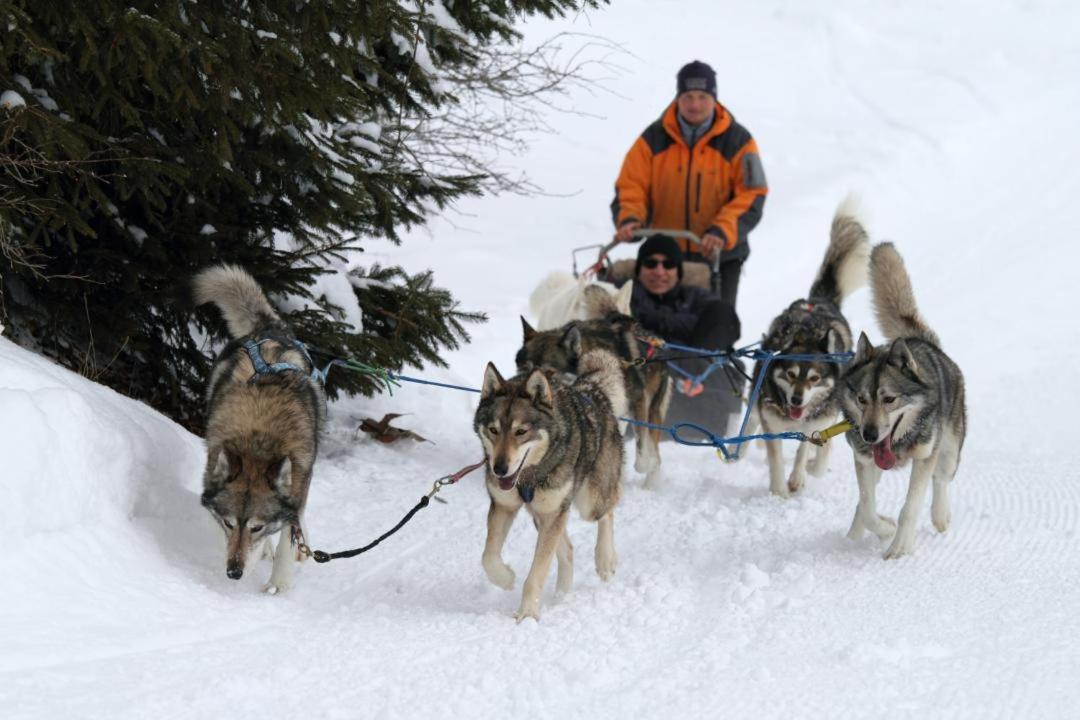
(674, 315)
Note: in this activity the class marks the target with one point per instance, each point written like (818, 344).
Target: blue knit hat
(696, 76)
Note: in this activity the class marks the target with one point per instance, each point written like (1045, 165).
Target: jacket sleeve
(741, 214)
(633, 187)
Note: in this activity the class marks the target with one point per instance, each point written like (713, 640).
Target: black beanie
(696, 76)
(659, 244)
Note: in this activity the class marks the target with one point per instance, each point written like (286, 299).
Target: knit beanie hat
(696, 76)
(659, 244)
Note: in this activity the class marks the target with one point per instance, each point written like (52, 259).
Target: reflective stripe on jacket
(720, 187)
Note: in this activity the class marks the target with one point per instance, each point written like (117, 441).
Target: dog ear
(281, 476)
(900, 356)
(571, 341)
(538, 388)
(833, 342)
(493, 381)
(223, 466)
(527, 331)
(864, 350)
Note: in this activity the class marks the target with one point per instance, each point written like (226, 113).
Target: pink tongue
(794, 412)
(505, 483)
(884, 457)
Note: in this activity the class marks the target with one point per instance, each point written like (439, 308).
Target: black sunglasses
(653, 262)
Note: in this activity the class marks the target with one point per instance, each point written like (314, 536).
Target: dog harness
(264, 368)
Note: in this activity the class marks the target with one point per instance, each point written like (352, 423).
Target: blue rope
(709, 439)
(406, 378)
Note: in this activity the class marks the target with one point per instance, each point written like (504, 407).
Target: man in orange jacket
(695, 169)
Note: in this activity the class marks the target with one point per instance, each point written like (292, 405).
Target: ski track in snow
(727, 601)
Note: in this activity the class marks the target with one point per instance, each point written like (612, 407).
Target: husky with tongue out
(552, 442)
(798, 395)
(905, 401)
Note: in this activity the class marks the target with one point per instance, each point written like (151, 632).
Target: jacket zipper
(697, 202)
(689, 174)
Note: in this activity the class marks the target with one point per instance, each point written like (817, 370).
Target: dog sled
(709, 390)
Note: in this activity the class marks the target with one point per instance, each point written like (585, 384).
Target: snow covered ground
(955, 121)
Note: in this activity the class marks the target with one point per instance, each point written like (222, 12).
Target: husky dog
(561, 298)
(798, 395)
(551, 442)
(905, 400)
(648, 387)
(265, 411)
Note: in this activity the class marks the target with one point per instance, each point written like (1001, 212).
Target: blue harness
(264, 368)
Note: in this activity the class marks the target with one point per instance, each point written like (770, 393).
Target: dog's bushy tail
(894, 300)
(550, 285)
(843, 271)
(605, 370)
(241, 301)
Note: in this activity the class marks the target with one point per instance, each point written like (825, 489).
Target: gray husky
(798, 395)
(552, 442)
(265, 411)
(648, 387)
(905, 400)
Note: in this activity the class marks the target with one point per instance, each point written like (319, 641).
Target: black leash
(323, 557)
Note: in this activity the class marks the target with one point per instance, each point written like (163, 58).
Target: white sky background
(956, 123)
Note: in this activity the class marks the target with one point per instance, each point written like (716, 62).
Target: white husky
(561, 298)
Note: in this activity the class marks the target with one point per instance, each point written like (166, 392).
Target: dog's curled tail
(894, 300)
(555, 282)
(604, 369)
(843, 271)
(241, 301)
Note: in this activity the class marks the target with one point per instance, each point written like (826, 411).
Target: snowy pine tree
(146, 140)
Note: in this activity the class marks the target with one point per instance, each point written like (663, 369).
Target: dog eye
(861, 399)
(228, 523)
(257, 528)
(889, 399)
(792, 374)
(492, 430)
(813, 379)
(520, 431)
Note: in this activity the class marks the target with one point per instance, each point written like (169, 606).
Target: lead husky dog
(648, 387)
(551, 443)
(561, 298)
(906, 402)
(797, 395)
(265, 412)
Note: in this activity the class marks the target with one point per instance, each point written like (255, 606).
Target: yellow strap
(822, 437)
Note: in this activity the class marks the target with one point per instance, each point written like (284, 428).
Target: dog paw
(532, 611)
(277, 587)
(605, 566)
(780, 490)
(941, 519)
(886, 527)
(500, 574)
(656, 479)
(900, 547)
(796, 482)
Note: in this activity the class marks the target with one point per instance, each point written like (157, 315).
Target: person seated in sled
(695, 169)
(675, 311)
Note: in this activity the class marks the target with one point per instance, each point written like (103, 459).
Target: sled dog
(265, 410)
(647, 388)
(798, 395)
(551, 442)
(905, 400)
(561, 298)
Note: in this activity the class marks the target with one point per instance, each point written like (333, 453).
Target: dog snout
(870, 433)
(500, 467)
(796, 400)
(234, 571)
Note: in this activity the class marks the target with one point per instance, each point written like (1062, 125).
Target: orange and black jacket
(719, 187)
